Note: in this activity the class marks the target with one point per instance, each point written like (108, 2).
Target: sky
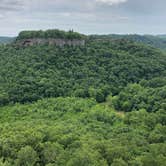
(84, 16)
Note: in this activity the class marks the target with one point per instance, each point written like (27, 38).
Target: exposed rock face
(57, 42)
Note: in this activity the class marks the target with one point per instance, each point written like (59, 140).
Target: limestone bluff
(51, 41)
(50, 37)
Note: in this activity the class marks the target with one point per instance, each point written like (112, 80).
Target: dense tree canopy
(50, 34)
(135, 97)
(5, 40)
(158, 41)
(94, 70)
(74, 131)
(102, 104)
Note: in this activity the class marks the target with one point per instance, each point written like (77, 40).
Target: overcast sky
(85, 16)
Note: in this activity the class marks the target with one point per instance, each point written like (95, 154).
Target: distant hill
(162, 36)
(50, 37)
(54, 33)
(158, 41)
(6, 40)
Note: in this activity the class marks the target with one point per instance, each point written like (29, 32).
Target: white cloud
(112, 2)
(1, 16)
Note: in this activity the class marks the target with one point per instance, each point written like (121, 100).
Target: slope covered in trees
(97, 69)
(6, 40)
(101, 104)
(73, 131)
(158, 41)
(50, 34)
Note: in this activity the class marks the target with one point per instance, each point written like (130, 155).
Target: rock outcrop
(50, 41)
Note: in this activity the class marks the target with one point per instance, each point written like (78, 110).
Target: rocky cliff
(51, 41)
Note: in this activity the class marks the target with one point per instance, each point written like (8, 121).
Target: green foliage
(50, 34)
(26, 156)
(119, 162)
(6, 40)
(95, 70)
(136, 97)
(50, 152)
(158, 41)
(58, 105)
(49, 132)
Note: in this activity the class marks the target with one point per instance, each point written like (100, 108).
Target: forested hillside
(95, 70)
(101, 104)
(50, 34)
(74, 131)
(6, 40)
(158, 41)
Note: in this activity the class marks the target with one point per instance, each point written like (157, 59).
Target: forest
(157, 41)
(102, 104)
(6, 40)
(52, 33)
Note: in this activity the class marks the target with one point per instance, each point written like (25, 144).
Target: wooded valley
(101, 104)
